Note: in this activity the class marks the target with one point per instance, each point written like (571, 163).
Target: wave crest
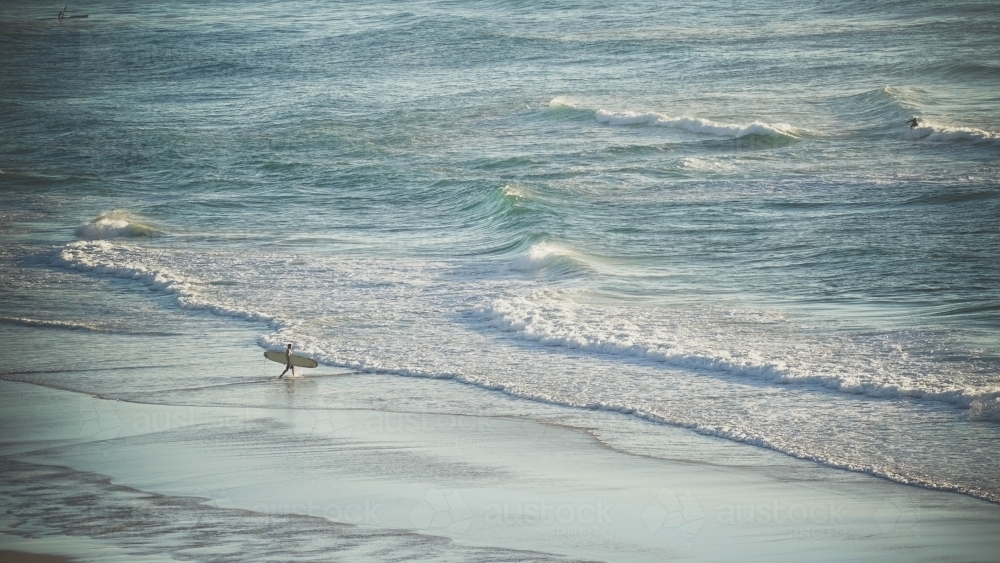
(684, 123)
(114, 225)
(546, 255)
(938, 133)
(696, 124)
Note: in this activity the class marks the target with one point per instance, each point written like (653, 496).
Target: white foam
(985, 408)
(560, 102)
(855, 372)
(939, 133)
(685, 123)
(696, 124)
(514, 191)
(706, 165)
(128, 262)
(41, 323)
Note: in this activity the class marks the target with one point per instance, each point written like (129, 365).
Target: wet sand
(317, 482)
(7, 556)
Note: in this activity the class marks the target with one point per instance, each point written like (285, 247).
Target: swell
(877, 108)
(506, 213)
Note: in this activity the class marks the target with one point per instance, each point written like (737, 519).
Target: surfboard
(297, 361)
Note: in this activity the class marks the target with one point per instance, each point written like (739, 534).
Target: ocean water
(703, 215)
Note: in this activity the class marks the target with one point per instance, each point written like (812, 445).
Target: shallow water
(698, 215)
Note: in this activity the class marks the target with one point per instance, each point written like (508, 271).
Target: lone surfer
(288, 362)
(914, 122)
(62, 13)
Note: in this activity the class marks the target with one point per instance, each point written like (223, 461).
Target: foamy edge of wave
(696, 124)
(943, 134)
(691, 124)
(42, 323)
(544, 255)
(79, 256)
(116, 224)
(981, 404)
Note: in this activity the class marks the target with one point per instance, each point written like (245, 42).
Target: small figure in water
(288, 362)
(914, 122)
(62, 13)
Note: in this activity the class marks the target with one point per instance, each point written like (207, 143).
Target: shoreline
(587, 428)
(481, 482)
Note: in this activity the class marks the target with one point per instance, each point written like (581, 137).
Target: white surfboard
(297, 361)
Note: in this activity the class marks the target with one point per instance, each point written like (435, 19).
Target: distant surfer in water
(914, 122)
(288, 362)
(62, 13)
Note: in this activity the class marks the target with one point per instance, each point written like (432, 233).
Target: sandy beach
(159, 478)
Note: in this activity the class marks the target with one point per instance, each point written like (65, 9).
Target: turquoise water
(703, 215)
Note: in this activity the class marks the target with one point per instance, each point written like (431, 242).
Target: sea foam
(559, 325)
(128, 262)
(939, 133)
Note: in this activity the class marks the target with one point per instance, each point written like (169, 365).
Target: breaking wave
(938, 133)
(547, 255)
(556, 326)
(116, 224)
(690, 124)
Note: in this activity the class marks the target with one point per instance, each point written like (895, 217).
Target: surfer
(914, 122)
(62, 13)
(288, 362)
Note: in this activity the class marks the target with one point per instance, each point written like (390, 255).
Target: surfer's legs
(288, 367)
